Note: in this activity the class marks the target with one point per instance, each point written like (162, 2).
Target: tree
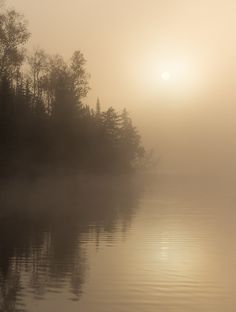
(79, 74)
(130, 141)
(111, 120)
(43, 120)
(38, 63)
(98, 109)
(13, 36)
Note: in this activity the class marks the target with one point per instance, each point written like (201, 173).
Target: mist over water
(112, 244)
(117, 156)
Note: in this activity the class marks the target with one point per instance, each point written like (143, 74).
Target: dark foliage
(44, 124)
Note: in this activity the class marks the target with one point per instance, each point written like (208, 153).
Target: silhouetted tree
(43, 120)
(130, 141)
(13, 35)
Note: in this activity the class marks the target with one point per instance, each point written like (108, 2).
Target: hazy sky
(130, 43)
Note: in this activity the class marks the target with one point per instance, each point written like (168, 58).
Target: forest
(45, 126)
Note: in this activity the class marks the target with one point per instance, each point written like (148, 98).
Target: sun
(166, 76)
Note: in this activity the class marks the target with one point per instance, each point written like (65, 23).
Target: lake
(111, 244)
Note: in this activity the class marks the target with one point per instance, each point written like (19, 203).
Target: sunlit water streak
(176, 253)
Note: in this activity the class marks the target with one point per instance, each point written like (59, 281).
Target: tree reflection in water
(42, 230)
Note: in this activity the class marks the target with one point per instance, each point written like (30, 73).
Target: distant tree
(79, 75)
(38, 64)
(6, 110)
(43, 120)
(98, 109)
(13, 36)
(111, 121)
(130, 141)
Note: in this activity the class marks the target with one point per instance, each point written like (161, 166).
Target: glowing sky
(129, 44)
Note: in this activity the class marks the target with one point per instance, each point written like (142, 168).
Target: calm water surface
(112, 246)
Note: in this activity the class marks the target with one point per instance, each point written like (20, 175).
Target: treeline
(44, 124)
